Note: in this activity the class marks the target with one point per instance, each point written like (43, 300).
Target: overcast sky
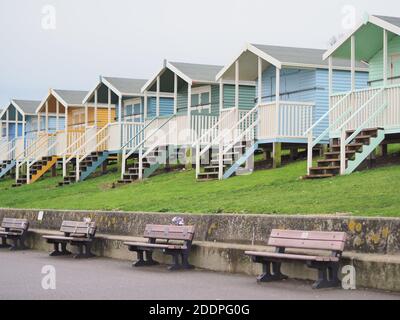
(130, 38)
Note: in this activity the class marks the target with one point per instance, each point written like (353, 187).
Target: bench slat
(306, 244)
(153, 245)
(287, 256)
(79, 228)
(170, 232)
(15, 224)
(309, 235)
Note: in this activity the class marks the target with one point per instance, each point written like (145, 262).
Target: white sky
(130, 38)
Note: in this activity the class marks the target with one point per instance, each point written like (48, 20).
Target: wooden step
(318, 176)
(207, 176)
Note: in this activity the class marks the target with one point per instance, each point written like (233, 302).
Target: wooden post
(353, 63)
(57, 115)
(277, 155)
(16, 124)
(381, 150)
(145, 106)
(330, 77)
(86, 114)
(259, 81)
(189, 114)
(120, 109)
(95, 108)
(277, 99)
(66, 122)
(385, 57)
(175, 93)
(23, 128)
(221, 95)
(158, 97)
(237, 76)
(109, 106)
(47, 117)
(8, 125)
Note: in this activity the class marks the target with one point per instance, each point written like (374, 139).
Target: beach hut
(19, 130)
(291, 94)
(362, 121)
(70, 138)
(178, 123)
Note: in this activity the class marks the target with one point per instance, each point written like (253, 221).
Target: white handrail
(153, 147)
(241, 135)
(152, 134)
(80, 159)
(25, 157)
(327, 113)
(220, 136)
(6, 145)
(344, 141)
(361, 108)
(214, 127)
(75, 143)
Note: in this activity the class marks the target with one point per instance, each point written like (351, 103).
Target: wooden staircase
(150, 164)
(37, 170)
(6, 167)
(356, 151)
(211, 170)
(88, 166)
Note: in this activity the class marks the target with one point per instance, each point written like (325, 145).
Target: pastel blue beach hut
(19, 130)
(195, 109)
(362, 121)
(292, 93)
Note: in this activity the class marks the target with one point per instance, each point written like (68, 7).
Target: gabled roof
(125, 86)
(65, 97)
(70, 97)
(120, 86)
(198, 72)
(189, 72)
(280, 56)
(368, 31)
(25, 107)
(392, 20)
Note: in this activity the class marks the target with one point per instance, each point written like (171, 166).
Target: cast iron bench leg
(140, 261)
(88, 250)
(176, 265)
(57, 252)
(149, 259)
(4, 243)
(185, 261)
(271, 275)
(327, 275)
(84, 251)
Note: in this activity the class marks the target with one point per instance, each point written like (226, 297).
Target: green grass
(279, 191)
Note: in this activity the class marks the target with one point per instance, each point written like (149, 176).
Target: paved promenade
(21, 278)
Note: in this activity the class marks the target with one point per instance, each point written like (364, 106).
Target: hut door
(395, 68)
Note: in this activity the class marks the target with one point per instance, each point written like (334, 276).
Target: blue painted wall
(166, 106)
(309, 85)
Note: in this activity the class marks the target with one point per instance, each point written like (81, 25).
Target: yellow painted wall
(76, 117)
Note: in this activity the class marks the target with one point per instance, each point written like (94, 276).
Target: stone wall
(365, 235)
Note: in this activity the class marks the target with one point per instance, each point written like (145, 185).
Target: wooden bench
(15, 230)
(328, 245)
(182, 237)
(75, 233)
